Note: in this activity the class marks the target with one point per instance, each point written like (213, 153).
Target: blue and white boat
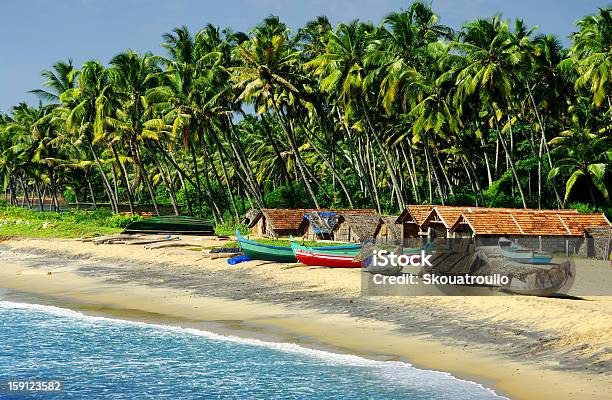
(522, 254)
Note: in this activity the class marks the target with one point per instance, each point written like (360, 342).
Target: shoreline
(124, 281)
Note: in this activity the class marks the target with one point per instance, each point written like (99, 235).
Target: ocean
(103, 358)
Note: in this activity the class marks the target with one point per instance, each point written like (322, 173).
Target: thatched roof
(250, 216)
(394, 230)
(362, 225)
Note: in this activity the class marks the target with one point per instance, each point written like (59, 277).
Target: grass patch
(19, 222)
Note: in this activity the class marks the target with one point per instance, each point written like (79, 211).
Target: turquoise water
(113, 359)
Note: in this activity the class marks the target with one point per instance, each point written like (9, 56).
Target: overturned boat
(178, 225)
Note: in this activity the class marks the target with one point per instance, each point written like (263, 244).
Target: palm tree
(81, 112)
(584, 157)
(489, 74)
(591, 55)
(268, 78)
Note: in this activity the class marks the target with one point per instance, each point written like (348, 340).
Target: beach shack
(439, 220)
(356, 227)
(547, 230)
(598, 242)
(387, 230)
(340, 225)
(410, 220)
(278, 222)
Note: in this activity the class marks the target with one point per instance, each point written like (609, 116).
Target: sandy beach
(522, 347)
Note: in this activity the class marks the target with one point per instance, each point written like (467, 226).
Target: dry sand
(523, 347)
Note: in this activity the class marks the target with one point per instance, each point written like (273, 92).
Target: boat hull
(284, 254)
(310, 256)
(278, 253)
(526, 256)
(170, 225)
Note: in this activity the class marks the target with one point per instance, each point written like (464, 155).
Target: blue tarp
(238, 260)
(322, 222)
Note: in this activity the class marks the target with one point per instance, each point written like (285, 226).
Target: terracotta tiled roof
(447, 214)
(491, 221)
(414, 213)
(529, 222)
(285, 218)
(419, 212)
(579, 222)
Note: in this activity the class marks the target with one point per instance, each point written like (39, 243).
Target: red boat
(330, 258)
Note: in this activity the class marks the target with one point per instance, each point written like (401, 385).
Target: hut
(387, 230)
(410, 220)
(549, 230)
(339, 225)
(439, 220)
(278, 222)
(356, 227)
(598, 243)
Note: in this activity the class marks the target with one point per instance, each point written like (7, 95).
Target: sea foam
(392, 369)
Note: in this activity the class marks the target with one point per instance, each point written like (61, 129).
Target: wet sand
(523, 347)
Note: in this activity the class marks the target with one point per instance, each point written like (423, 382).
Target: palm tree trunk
(227, 182)
(168, 184)
(486, 158)
(412, 176)
(335, 174)
(511, 164)
(282, 162)
(198, 183)
(109, 192)
(448, 182)
(361, 170)
(296, 153)
(433, 169)
(545, 143)
(144, 175)
(390, 171)
(125, 176)
(91, 191)
(39, 194)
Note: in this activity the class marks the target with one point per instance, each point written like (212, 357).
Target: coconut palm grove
(406, 111)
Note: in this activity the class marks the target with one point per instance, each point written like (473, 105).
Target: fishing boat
(326, 258)
(260, 251)
(521, 254)
(180, 225)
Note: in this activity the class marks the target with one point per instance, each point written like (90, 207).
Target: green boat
(179, 225)
(260, 251)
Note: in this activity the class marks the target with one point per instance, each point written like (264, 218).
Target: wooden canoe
(285, 254)
(326, 258)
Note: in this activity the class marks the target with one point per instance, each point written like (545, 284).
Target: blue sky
(37, 33)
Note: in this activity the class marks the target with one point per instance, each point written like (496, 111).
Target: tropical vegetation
(354, 115)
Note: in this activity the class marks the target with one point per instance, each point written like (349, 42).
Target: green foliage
(229, 229)
(16, 221)
(121, 221)
(583, 208)
(282, 197)
(353, 115)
